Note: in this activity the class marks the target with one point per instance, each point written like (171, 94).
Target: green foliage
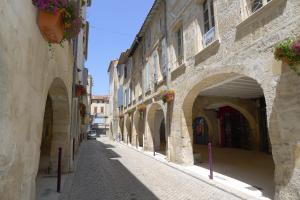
(287, 52)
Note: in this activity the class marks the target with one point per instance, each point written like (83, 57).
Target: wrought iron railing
(209, 36)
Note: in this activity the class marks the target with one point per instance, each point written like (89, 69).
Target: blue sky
(113, 26)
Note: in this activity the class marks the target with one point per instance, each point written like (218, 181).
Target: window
(147, 77)
(254, 5)
(149, 38)
(209, 22)
(179, 43)
(155, 61)
(209, 18)
(95, 110)
(125, 72)
(102, 110)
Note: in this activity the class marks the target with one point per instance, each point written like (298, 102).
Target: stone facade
(225, 59)
(100, 109)
(36, 87)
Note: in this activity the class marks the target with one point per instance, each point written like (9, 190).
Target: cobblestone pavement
(111, 171)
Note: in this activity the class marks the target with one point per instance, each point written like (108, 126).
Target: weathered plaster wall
(27, 70)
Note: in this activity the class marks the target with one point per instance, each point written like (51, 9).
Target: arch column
(283, 117)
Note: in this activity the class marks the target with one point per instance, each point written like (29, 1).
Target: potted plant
(72, 20)
(80, 90)
(58, 20)
(167, 95)
(83, 3)
(288, 51)
(142, 108)
(82, 109)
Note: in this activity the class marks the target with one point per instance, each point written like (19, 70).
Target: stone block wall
(27, 71)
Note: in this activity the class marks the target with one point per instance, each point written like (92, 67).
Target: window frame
(210, 14)
(179, 40)
(249, 9)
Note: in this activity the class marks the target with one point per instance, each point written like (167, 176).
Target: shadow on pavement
(100, 175)
(253, 168)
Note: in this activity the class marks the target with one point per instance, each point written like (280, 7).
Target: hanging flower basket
(58, 20)
(82, 109)
(80, 90)
(51, 25)
(167, 96)
(288, 51)
(142, 108)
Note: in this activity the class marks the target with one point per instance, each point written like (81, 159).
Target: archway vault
(58, 94)
(139, 127)
(156, 115)
(230, 85)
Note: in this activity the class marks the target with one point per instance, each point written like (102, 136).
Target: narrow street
(113, 171)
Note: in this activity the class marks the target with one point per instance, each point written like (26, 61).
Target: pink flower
(296, 47)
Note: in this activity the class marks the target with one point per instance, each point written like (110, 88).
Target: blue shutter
(85, 75)
(120, 97)
(155, 67)
(126, 97)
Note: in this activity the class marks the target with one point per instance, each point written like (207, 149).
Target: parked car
(92, 135)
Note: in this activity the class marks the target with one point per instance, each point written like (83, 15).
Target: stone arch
(156, 115)
(193, 92)
(284, 115)
(208, 89)
(59, 112)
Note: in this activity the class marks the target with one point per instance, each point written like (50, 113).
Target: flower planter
(80, 90)
(82, 109)
(288, 51)
(169, 97)
(142, 108)
(51, 25)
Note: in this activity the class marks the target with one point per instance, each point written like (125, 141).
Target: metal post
(153, 146)
(73, 156)
(59, 169)
(210, 161)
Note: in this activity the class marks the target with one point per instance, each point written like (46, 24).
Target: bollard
(73, 155)
(210, 161)
(59, 169)
(153, 147)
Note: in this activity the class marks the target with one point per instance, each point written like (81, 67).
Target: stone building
(218, 58)
(39, 111)
(99, 112)
(113, 114)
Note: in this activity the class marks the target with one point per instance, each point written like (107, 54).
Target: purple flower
(296, 47)
(50, 5)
